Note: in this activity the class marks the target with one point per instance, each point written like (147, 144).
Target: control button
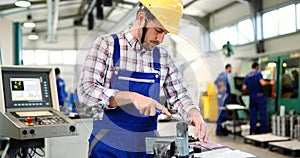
(29, 121)
(24, 132)
(32, 131)
(72, 128)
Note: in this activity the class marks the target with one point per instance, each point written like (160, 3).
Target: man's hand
(146, 105)
(195, 118)
(272, 82)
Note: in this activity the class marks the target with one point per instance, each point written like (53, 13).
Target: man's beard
(147, 46)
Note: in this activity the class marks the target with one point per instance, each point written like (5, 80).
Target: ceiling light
(29, 24)
(33, 35)
(22, 3)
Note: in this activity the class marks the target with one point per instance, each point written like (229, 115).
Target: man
(61, 91)
(224, 91)
(122, 77)
(258, 100)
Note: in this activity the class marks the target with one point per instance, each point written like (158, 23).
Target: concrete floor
(168, 129)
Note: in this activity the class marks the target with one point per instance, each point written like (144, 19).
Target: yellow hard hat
(167, 12)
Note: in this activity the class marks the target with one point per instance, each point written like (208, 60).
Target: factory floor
(239, 144)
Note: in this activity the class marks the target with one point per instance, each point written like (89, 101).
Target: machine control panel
(39, 124)
(29, 106)
(32, 120)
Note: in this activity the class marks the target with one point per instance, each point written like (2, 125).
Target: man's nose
(160, 37)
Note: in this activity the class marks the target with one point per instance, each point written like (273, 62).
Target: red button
(29, 120)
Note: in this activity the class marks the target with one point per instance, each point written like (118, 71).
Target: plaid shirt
(96, 73)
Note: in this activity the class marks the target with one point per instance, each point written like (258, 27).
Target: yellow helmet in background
(167, 12)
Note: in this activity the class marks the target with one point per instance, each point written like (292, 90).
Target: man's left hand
(196, 119)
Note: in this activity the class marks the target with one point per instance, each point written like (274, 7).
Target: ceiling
(76, 10)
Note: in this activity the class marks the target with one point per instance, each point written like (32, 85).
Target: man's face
(154, 35)
(228, 69)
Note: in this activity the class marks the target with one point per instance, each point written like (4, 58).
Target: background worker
(224, 91)
(122, 77)
(61, 88)
(254, 82)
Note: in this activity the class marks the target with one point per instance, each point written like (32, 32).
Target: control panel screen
(25, 89)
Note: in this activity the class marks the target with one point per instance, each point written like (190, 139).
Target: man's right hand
(146, 105)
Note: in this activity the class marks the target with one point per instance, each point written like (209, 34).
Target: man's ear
(140, 17)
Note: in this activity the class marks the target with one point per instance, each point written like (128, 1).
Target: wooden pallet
(286, 147)
(263, 140)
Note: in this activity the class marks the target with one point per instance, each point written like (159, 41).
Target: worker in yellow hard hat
(122, 77)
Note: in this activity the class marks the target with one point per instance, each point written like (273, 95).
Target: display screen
(26, 89)
(238, 83)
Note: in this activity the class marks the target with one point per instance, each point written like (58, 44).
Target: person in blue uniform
(224, 91)
(61, 91)
(121, 80)
(254, 82)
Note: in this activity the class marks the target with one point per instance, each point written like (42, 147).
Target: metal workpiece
(165, 147)
(182, 140)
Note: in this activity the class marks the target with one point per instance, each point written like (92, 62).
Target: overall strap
(116, 55)
(156, 58)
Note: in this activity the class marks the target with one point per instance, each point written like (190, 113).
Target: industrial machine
(165, 147)
(29, 109)
(284, 92)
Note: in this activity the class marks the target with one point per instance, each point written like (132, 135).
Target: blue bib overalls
(122, 131)
(258, 102)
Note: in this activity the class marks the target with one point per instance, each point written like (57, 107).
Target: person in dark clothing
(254, 82)
(60, 84)
(224, 91)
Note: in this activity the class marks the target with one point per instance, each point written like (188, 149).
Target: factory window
(28, 57)
(221, 36)
(279, 22)
(298, 16)
(287, 19)
(216, 38)
(270, 24)
(42, 57)
(232, 35)
(45, 57)
(246, 32)
(55, 57)
(69, 57)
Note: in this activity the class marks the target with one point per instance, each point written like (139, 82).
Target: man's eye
(159, 31)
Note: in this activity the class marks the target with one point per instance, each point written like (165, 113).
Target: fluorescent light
(271, 64)
(22, 3)
(33, 37)
(29, 24)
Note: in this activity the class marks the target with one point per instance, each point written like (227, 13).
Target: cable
(39, 154)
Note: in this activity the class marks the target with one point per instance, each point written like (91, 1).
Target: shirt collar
(134, 43)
